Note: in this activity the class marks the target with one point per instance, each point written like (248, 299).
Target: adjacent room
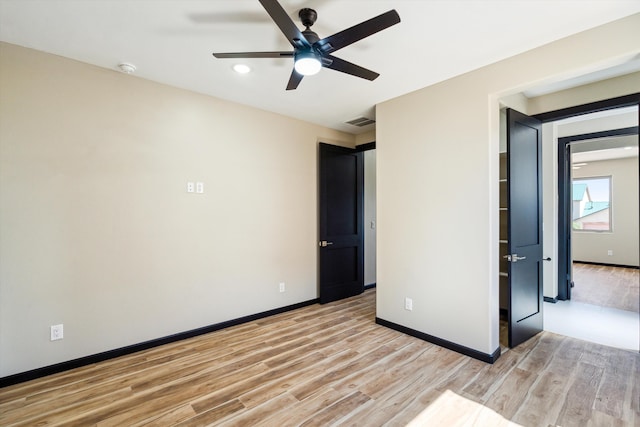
(196, 228)
(603, 246)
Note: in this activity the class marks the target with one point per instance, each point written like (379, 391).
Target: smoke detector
(127, 68)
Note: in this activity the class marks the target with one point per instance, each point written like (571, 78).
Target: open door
(524, 186)
(341, 231)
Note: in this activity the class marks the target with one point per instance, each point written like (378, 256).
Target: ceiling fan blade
(254, 55)
(294, 80)
(358, 32)
(284, 22)
(349, 68)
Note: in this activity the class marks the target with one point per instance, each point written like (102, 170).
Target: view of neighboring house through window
(591, 203)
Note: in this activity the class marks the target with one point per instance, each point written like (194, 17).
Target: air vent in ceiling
(361, 122)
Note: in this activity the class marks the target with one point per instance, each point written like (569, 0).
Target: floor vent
(361, 121)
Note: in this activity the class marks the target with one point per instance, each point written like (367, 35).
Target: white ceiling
(171, 41)
(596, 155)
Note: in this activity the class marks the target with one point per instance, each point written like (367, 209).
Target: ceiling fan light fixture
(307, 63)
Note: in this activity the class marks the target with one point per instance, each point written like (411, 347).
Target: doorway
(556, 247)
(590, 150)
(594, 225)
(346, 221)
(604, 211)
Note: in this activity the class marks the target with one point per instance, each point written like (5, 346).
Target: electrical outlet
(610, 252)
(199, 187)
(191, 187)
(282, 288)
(57, 332)
(408, 304)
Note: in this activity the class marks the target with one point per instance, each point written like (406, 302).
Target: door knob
(324, 243)
(514, 257)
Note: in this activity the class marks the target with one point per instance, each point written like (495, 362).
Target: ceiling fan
(310, 52)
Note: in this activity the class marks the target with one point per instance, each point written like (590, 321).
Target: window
(591, 210)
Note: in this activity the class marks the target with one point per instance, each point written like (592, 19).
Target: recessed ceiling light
(575, 167)
(241, 68)
(580, 164)
(628, 148)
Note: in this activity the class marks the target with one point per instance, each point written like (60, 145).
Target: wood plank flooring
(606, 286)
(332, 365)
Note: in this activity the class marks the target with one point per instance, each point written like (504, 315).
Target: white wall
(550, 210)
(437, 163)
(97, 229)
(369, 207)
(623, 239)
(370, 217)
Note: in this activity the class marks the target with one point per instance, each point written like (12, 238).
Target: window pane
(591, 207)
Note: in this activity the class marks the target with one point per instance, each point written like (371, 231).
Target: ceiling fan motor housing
(307, 16)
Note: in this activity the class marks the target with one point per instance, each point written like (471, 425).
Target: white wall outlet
(408, 304)
(373, 225)
(610, 252)
(57, 332)
(191, 187)
(199, 187)
(282, 287)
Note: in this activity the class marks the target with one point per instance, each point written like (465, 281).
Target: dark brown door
(524, 180)
(341, 244)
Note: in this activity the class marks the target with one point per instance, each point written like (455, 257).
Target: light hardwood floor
(332, 365)
(606, 286)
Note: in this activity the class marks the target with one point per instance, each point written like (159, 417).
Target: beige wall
(366, 137)
(97, 229)
(584, 94)
(438, 186)
(623, 238)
